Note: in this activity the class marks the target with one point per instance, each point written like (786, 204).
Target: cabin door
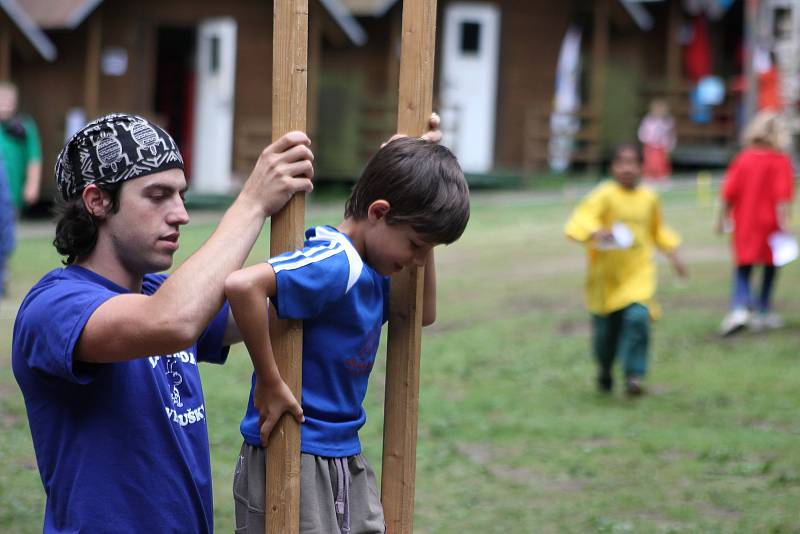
(213, 116)
(469, 82)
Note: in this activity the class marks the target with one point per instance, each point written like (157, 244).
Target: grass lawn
(512, 436)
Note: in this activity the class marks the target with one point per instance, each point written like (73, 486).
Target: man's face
(144, 231)
(390, 247)
(8, 103)
(626, 168)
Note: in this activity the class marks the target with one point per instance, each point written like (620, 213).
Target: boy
(620, 222)
(411, 197)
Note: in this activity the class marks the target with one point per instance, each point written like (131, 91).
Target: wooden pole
(5, 51)
(673, 49)
(405, 315)
(599, 69)
(91, 101)
(289, 96)
(750, 30)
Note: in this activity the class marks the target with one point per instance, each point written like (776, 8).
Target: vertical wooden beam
(673, 49)
(5, 51)
(599, 69)
(91, 100)
(405, 316)
(750, 30)
(289, 97)
(392, 63)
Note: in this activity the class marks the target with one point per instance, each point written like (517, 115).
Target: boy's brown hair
(424, 185)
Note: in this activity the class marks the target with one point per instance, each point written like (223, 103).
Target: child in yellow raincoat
(620, 224)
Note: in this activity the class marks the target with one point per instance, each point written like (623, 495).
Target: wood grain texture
(405, 316)
(91, 100)
(289, 96)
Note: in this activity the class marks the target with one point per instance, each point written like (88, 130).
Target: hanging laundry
(697, 53)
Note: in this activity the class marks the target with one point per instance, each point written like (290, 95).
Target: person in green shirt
(21, 167)
(20, 148)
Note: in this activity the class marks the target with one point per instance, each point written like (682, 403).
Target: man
(20, 147)
(106, 353)
(20, 159)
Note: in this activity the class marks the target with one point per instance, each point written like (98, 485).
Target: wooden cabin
(201, 68)
(496, 75)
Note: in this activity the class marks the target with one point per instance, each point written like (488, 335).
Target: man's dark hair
(627, 145)
(76, 228)
(422, 182)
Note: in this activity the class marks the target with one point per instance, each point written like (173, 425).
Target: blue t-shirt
(343, 303)
(121, 447)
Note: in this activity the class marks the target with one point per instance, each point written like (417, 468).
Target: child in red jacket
(756, 195)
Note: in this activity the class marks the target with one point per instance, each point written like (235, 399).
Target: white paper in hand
(621, 237)
(784, 248)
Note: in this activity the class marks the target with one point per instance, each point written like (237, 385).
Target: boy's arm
(723, 218)
(429, 291)
(784, 214)
(677, 264)
(247, 291)
(586, 222)
(667, 240)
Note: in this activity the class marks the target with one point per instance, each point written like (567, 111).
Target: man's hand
(272, 401)
(434, 134)
(284, 168)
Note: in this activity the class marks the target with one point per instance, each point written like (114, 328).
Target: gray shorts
(335, 493)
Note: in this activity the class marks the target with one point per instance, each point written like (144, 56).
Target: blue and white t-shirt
(121, 447)
(343, 303)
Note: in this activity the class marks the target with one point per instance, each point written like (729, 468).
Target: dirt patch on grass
(488, 457)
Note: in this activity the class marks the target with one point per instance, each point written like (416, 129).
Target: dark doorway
(175, 86)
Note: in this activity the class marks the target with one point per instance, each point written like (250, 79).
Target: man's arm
(247, 291)
(33, 182)
(429, 291)
(131, 326)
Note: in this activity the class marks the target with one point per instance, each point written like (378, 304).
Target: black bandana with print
(111, 149)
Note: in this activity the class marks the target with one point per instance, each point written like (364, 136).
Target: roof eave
(349, 25)
(30, 30)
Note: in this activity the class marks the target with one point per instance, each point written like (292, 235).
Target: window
(470, 37)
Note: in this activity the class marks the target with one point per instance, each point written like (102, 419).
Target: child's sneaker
(634, 386)
(605, 383)
(734, 322)
(766, 321)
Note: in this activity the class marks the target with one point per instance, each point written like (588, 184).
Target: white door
(213, 114)
(468, 89)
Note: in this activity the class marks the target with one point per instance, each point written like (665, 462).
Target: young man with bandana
(105, 352)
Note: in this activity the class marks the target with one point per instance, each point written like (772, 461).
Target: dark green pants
(624, 333)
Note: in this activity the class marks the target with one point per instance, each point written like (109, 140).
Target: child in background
(756, 194)
(620, 224)
(411, 197)
(657, 135)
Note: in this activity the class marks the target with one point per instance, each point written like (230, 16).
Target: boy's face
(390, 247)
(626, 168)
